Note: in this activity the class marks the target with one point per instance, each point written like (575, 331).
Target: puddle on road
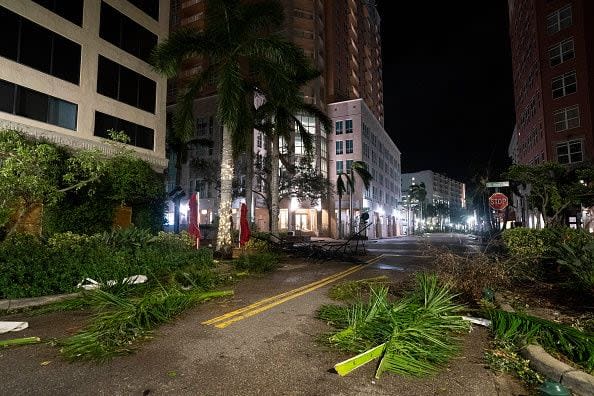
(383, 266)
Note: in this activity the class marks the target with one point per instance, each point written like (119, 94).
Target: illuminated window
(561, 52)
(567, 118)
(558, 20)
(259, 140)
(569, 152)
(564, 84)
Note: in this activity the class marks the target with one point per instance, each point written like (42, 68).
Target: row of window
(127, 86)
(140, 136)
(71, 10)
(25, 102)
(30, 44)
(340, 147)
(123, 32)
(559, 19)
(343, 126)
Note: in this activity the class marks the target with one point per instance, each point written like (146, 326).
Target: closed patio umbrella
(244, 227)
(193, 222)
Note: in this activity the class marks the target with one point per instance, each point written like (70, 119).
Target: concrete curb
(20, 303)
(579, 382)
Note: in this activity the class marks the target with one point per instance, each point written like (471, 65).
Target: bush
(258, 262)
(472, 276)
(29, 267)
(576, 255)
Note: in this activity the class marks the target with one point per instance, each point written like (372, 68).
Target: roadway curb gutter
(20, 303)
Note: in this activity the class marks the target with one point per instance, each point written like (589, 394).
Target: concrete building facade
(359, 136)
(69, 72)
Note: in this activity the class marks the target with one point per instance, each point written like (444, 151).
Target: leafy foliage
(521, 329)
(551, 188)
(504, 357)
(121, 321)
(418, 330)
(257, 262)
(579, 260)
(355, 290)
(30, 267)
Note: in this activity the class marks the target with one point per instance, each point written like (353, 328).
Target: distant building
(552, 45)
(440, 188)
(359, 136)
(70, 72)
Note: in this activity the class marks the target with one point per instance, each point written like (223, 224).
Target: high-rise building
(342, 38)
(552, 45)
(71, 71)
(354, 60)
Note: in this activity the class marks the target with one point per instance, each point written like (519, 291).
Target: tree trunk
(178, 171)
(224, 235)
(339, 228)
(274, 182)
(249, 182)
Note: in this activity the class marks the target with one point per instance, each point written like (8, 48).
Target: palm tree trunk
(339, 216)
(274, 182)
(224, 235)
(176, 199)
(249, 181)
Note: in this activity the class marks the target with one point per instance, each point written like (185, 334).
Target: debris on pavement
(5, 327)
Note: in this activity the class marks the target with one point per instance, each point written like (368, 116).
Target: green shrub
(257, 262)
(525, 244)
(29, 267)
(577, 256)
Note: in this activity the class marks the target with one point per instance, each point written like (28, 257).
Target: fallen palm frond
(522, 329)
(352, 290)
(19, 341)
(121, 321)
(419, 331)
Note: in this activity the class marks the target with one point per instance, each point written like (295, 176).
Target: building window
(121, 31)
(559, 20)
(339, 169)
(339, 147)
(140, 136)
(338, 126)
(25, 102)
(569, 152)
(564, 84)
(349, 165)
(349, 147)
(71, 10)
(349, 126)
(120, 83)
(149, 7)
(561, 52)
(566, 118)
(323, 147)
(32, 45)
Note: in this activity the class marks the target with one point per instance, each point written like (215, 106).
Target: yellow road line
(273, 301)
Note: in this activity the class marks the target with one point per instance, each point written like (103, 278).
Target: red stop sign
(498, 201)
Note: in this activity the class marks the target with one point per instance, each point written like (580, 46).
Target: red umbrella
(193, 223)
(244, 227)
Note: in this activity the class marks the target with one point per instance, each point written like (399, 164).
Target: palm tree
(346, 182)
(243, 57)
(278, 118)
(418, 192)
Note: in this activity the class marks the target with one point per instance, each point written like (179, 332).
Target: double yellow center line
(259, 306)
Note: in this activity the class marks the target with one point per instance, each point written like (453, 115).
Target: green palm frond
(181, 44)
(267, 14)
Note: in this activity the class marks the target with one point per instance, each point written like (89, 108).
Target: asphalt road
(269, 350)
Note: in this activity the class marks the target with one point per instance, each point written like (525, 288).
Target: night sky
(448, 92)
